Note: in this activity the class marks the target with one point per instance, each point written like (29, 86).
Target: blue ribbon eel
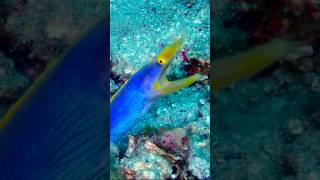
(138, 93)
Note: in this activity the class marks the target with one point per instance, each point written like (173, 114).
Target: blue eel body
(133, 100)
(60, 130)
(135, 97)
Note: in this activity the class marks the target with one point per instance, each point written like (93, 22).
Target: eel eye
(161, 61)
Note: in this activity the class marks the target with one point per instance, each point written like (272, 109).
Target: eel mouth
(168, 54)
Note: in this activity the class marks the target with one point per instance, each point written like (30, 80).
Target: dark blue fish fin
(59, 128)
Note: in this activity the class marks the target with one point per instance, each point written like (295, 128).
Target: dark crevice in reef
(9, 43)
(288, 167)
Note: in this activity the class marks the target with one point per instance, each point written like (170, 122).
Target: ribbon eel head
(162, 85)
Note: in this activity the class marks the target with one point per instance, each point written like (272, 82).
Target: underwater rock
(313, 175)
(176, 153)
(113, 87)
(300, 52)
(173, 140)
(115, 173)
(199, 167)
(306, 152)
(199, 153)
(295, 126)
(305, 65)
(146, 162)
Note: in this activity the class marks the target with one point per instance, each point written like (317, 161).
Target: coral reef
(168, 154)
